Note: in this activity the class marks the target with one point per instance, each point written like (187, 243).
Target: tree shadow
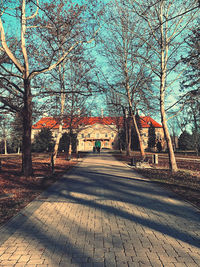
(136, 192)
(98, 187)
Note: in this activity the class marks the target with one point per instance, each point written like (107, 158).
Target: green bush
(185, 141)
(43, 141)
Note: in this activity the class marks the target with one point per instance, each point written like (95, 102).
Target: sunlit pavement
(103, 214)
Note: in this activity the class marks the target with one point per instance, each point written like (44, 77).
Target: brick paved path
(103, 214)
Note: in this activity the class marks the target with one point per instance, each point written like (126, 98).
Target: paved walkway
(103, 214)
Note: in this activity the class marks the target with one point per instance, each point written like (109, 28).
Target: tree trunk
(58, 137)
(172, 159)
(5, 146)
(62, 107)
(163, 74)
(128, 137)
(134, 121)
(27, 169)
(70, 149)
(142, 153)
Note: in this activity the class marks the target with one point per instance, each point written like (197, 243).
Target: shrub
(43, 141)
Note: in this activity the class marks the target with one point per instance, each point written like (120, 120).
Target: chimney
(102, 113)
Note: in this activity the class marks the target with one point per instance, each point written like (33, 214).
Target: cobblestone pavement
(103, 214)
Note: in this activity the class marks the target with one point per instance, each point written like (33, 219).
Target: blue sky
(100, 62)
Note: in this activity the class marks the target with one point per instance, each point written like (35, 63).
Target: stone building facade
(104, 129)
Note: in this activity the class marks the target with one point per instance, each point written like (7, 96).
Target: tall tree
(73, 83)
(192, 60)
(191, 83)
(129, 79)
(28, 56)
(167, 22)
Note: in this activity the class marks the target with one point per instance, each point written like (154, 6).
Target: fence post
(155, 158)
(132, 161)
(52, 163)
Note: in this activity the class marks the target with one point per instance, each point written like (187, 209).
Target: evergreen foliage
(196, 139)
(138, 120)
(191, 82)
(65, 141)
(159, 146)
(122, 139)
(16, 133)
(134, 140)
(151, 137)
(43, 141)
(185, 141)
(192, 60)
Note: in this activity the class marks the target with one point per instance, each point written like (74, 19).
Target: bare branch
(36, 12)
(23, 42)
(8, 51)
(12, 84)
(60, 60)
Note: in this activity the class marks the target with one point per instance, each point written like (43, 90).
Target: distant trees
(185, 141)
(43, 141)
(4, 133)
(65, 141)
(190, 85)
(16, 133)
(128, 83)
(75, 79)
(192, 60)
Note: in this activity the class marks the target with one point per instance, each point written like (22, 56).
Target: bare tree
(4, 129)
(76, 85)
(129, 80)
(36, 27)
(165, 39)
(191, 83)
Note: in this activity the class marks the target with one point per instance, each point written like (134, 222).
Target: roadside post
(52, 163)
(155, 158)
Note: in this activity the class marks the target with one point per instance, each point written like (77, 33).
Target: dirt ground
(17, 191)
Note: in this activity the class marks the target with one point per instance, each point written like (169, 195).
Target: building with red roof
(104, 129)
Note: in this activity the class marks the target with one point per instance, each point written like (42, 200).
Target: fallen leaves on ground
(16, 191)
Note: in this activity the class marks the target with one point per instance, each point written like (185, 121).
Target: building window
(112, 134)
(106, 135)
(82, 135)
(88, 135)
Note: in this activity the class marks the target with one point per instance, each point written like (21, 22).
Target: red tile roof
(147, 121)
(50, 122)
